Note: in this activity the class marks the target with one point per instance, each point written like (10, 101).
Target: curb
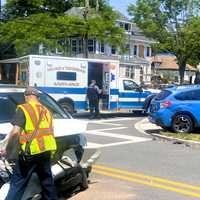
(145, 127)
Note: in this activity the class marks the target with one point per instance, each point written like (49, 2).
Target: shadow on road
(84, 115)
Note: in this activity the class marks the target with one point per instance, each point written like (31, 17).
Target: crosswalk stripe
(93, 145)
(119, 136)
(107, 129)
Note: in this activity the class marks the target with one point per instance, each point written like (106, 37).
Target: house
(166, 66)
(133, 64)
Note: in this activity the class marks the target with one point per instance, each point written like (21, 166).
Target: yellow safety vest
(44, 139)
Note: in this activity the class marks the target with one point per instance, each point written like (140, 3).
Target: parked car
(176, 108)
(154, 92)
(73, 160)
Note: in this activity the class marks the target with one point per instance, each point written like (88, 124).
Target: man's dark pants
(94, 107)
(40, 164)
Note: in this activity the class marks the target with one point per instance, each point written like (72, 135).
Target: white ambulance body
(66, 79)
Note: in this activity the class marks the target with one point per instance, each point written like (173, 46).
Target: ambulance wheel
(67, 107)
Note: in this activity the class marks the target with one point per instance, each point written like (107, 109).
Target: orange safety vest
(44, 139)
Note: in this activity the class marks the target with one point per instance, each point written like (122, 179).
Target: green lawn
(184, 136)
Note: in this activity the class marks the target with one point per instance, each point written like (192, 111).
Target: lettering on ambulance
(66, 68)
(66, 84)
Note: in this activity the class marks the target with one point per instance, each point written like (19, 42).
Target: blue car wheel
(182, 123)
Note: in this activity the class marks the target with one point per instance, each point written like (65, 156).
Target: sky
(121, 5)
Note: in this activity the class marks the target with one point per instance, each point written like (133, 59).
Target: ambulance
(66, 79)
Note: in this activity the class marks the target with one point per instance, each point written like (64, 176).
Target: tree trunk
(85, 46)
(182, 66)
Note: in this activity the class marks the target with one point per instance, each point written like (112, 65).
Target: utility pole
(97, 6)
(85, 38)
(190, 8)
(0, 11)
(87, 3)
(85, 15)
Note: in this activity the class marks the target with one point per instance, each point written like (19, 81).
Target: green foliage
(182, 136)
(34, 23)
(192, 32)
(167, 22)
(24, 8)
(27, 33)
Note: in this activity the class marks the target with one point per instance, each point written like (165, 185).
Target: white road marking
(120, 136)
(118, 143)
(102, 122)
(109, 120)
(93, 145)
(107, 123)
(97, 145)
(106, 129)
(102, 132)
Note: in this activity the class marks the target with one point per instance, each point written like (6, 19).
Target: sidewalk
(146, 127)
(105, 188)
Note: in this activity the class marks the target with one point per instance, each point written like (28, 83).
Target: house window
(130, 72)
(74, 49)
(148, 51)
(128, 47)
(113, 50)
(66, 76)
(77, 45)
(80, 46)
(127, 26)
(91, 45)
(101, 47)
(135, 50)
(121, 25)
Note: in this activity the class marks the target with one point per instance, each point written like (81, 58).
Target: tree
(193, 34)
(35, 23)
(21, 8)
(166, 21)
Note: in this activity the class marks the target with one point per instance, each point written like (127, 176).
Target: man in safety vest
(33, 124)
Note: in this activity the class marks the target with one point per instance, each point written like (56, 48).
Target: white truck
(66, 79)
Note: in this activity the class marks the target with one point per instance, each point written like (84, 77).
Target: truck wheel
(182, 123)
(67, 107)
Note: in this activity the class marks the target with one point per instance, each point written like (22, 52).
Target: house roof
(76, 11)
(169, 62)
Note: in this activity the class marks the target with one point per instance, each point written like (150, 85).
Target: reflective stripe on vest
(43, 139)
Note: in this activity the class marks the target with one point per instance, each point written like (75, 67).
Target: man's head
(93, 81)
(31, 93)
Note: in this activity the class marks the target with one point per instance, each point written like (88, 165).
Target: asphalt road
(133, 166)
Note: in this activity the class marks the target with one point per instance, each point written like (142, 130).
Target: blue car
(177, 108)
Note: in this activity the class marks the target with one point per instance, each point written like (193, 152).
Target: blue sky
(121, 5)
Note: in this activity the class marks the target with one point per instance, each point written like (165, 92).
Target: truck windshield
(51, 104)
(9, 102)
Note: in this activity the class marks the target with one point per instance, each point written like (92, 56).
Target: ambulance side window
(66, 76)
